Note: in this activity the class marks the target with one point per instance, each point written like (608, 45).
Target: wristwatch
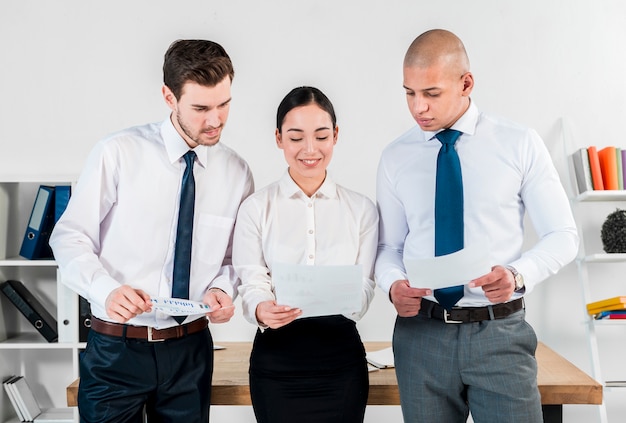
(517, 278)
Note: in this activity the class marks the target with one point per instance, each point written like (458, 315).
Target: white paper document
(381, 359)
(319, 290)
(179, 306)
(452, 269)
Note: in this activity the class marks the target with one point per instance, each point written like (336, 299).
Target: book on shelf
(31, 308)
(608, 304)
(7, 384)
(26, 407)
(582, 171)
(608, 167)
(623, 154)
(610, 315)
(594, 165)
(620, 169)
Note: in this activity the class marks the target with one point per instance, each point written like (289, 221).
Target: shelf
(609, 322)
(34, 341)
(604, 258)
(31, 178)
(606, 195)
(22, 262)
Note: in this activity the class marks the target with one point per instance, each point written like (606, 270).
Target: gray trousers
(446, 370)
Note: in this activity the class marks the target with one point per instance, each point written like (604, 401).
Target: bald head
(437, 47)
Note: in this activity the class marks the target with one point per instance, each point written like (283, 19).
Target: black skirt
(312, 370)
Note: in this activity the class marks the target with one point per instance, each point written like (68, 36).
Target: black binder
(84, 319)
(31, 308)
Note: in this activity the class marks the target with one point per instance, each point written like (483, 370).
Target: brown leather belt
(433, 310)
(148, 333)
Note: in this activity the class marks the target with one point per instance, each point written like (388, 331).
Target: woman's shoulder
(354, 196)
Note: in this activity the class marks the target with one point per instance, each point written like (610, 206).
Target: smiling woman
(307, 134)
(309, 369)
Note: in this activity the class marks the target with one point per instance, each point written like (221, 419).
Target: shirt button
(310, 204)
(310, 231)
(311, 256)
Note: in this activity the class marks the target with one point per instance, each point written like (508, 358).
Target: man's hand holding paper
(498, 284)
(458, 268)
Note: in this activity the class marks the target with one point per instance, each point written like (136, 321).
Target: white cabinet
(48, 367)
(601, 276)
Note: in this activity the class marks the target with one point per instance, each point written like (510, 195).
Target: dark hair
(303, 96)
(201, 61)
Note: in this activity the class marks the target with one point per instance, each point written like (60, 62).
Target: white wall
(76, 70)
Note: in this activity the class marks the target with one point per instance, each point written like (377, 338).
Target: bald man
(476, 354)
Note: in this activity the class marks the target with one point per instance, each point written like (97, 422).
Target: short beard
(188, 132)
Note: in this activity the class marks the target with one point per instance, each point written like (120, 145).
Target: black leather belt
(433, 310)
(148, 333)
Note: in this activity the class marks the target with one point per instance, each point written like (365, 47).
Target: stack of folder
(610, 308)
(26, 406)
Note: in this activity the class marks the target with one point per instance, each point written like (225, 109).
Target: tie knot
(448, 136)
(189, 157)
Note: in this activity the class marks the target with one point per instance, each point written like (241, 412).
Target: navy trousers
(171, 380)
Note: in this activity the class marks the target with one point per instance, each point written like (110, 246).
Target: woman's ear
(335, 134)
(279, 139)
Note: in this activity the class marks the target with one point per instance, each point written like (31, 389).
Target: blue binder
(61, 198)
(35, 242)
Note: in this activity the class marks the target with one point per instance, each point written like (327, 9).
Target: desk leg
(552, 413)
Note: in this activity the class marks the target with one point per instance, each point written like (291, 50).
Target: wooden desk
(559, 381)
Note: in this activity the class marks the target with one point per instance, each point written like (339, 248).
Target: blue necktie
(184, 231)
(448, 210)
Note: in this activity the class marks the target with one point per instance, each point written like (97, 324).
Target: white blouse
(280, 223)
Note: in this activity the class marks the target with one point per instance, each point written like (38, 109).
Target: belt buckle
(150, 338)
(446, 318)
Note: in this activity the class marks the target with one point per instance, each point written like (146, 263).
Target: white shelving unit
(48, 367)
(590, 209)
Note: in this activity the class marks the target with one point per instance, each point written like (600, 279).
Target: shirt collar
(290, 188)
(176, 147)
(465, 124)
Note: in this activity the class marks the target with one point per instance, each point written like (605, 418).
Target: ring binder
(31, 308)
(35, 242)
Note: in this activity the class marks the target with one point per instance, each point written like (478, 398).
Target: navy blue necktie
(448, 210)
(184, 231)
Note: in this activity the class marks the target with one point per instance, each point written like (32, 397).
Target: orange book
(608, 167)
(594, 165)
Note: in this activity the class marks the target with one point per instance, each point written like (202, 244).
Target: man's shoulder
(407, 139)
(502, 123)
(230, 155)
(139, 133)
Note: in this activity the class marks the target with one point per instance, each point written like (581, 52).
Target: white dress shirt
(120, 224)
(280, 223)
(506, 170)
